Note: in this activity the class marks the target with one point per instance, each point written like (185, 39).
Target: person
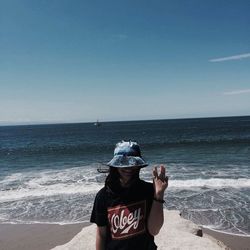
(128, 211)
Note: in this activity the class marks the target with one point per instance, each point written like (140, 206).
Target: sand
(176, 233)
(36, 236)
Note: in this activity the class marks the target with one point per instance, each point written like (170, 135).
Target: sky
(81, 60)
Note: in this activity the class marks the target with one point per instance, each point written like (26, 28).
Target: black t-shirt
(125, 213)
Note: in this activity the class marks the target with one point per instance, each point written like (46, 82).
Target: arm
(100, 238)
(156, 218)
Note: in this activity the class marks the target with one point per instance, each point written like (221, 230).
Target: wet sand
(36, 236)
(234, 241)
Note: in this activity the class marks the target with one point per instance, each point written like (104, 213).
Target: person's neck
(126, 183)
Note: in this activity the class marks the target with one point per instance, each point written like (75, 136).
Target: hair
(113, 179)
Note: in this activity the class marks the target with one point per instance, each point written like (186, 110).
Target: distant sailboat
(97, 123)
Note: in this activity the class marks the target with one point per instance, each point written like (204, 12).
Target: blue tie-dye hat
(127, 154)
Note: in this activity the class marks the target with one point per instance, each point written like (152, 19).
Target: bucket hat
(127, 154)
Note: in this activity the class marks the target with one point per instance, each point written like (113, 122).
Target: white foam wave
(56, 189)
(49, 183)
(51, 176)
(23, 222)
(210, 183)
(85, 180)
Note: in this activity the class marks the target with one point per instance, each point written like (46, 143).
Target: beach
(176, 233)
(49, 177)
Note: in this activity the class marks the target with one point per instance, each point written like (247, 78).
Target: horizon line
(108, 121)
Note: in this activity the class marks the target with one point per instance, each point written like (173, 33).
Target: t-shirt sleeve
(149, 191)
(99, 212)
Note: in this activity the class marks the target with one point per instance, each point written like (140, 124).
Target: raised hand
(160, 181)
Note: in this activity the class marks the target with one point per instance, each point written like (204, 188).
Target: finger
(166, 179)
(162, 172)
(155, 173)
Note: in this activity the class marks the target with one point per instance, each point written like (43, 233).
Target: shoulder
(147, 185)
(101, 194)
(101, 191)
(147, 190)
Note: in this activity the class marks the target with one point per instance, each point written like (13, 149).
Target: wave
(46, 188)
(45, 191)
(30, 184)
(199, 142)
(54, 149)
(211, 183)
(83, 149)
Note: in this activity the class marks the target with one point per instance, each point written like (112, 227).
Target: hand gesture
(160, 182)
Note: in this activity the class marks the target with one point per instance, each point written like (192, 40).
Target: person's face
(128, 173)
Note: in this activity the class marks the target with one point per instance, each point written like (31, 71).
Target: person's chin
(129, 174)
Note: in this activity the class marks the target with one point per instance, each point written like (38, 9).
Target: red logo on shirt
(127, 220)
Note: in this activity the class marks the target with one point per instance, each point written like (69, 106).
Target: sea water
(48, 173)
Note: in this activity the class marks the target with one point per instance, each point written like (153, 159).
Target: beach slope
(176, 233)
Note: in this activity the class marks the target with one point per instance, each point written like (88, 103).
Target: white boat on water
(97, 123)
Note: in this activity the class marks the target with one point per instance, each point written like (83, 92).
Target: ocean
(48, 173)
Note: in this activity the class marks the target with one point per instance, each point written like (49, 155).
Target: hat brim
(122, 161)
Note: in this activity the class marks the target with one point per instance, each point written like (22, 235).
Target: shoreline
(234, 241)
(176, 233)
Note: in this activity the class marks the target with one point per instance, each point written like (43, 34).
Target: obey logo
(128, 220)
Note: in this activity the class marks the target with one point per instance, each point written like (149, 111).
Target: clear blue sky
(78, 61)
